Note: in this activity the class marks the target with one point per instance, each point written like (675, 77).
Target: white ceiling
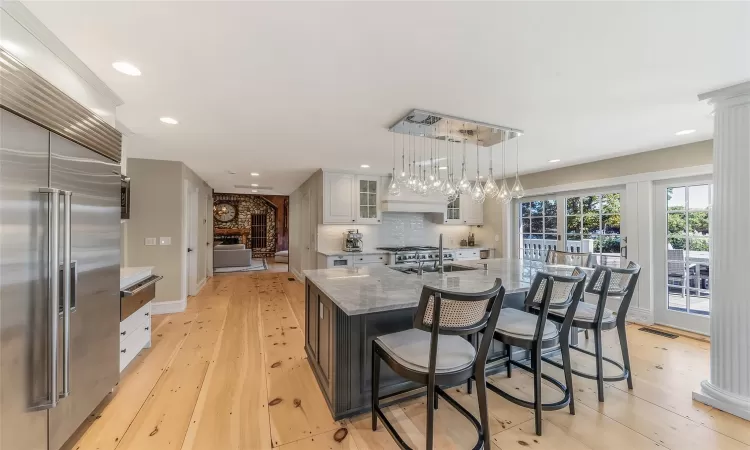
(285, 88)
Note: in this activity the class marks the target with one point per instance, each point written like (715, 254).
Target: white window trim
(638, 212)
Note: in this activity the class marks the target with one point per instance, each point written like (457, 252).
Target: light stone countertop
(131, 275)
(369, 289)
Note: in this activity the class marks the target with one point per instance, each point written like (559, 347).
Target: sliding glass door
(683, 254)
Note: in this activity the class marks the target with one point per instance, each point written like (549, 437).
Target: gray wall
(689, 155)
(157, 210)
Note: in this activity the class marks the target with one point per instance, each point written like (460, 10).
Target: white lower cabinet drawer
(134, 320)
(370, 259)
(467, 254)
(134, 343)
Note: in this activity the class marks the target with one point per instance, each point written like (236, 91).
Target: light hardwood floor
(230, 372)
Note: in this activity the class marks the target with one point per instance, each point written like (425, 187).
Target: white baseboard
(297, 275)
(201, 283)
(168, 307)
(640, 315)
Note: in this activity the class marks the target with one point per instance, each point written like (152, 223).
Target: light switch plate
(165, 241)
(150, 241)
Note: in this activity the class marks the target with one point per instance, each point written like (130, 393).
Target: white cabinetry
(367, 196)
(453, 213)
(135, 334)
(350, 198)
(370, 260)
(338, 197)
(471, 213)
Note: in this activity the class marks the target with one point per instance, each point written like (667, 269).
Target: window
(538, 228)
(688, 248)
(593, 226)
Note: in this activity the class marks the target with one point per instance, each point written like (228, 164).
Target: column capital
(735, 91)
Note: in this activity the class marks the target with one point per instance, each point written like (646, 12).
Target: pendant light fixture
(503, 195)
(447, 187)
(477, 192)
(413, 178)
(393, 188)
(517, 191)
(403, 177)
(490, 188)
(437, 185)
(464, 185)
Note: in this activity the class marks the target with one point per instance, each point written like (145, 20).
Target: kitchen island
(346, 308)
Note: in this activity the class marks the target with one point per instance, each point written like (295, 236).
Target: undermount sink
(432, 269)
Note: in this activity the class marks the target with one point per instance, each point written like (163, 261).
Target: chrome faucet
(440, 253)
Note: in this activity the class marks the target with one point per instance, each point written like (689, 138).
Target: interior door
(682, 257)
(95, 305)
(192, 236)
(24, 168)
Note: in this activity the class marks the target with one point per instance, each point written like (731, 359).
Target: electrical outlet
(165, 241)
(150, 241)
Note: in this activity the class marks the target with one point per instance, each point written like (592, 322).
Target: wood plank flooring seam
(156, 383)
(261, 332)
(190, 432)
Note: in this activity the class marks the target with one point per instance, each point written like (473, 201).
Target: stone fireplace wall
(274, 207)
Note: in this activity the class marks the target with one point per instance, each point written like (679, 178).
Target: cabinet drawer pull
(146, 328)
(123, 333)
(147, 313)
(123, 350)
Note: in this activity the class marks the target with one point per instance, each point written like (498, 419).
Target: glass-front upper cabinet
(453, 212)
(368, 208)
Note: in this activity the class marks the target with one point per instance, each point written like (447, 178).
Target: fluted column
(729, 386)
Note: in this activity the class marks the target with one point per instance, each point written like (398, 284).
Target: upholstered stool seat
(586, 312)
(411, 349)
(520, 324)
(440, 350)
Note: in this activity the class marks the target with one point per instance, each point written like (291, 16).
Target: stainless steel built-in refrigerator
(59, 283)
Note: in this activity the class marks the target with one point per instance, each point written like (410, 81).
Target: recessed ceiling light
(254, 190)
(254, 185)
(365, 166)
(169, 120)
(443, 167)
(684, 132)
(126, 68)
(254, 174)
(553, 160)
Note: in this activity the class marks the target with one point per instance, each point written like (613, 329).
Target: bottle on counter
(471, 239)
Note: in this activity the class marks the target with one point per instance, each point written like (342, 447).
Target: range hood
(414, 203)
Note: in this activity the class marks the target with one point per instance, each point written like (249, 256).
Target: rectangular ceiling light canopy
(443, 126)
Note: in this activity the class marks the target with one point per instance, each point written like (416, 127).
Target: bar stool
(605, 282)
(436, 353)
(531, 330)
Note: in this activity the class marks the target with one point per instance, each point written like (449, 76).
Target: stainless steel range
(416, 255)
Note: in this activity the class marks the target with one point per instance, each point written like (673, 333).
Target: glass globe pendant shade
(503, 195)
(517, 190)
(477, 192)
(393, 188)
(490, 188)
(402, 178)
(464, 185)
(447, 188)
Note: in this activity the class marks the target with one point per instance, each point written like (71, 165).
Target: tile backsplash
(396, 229)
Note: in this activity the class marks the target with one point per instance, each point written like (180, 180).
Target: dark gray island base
(338, 343)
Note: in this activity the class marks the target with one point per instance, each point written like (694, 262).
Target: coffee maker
(352, 241)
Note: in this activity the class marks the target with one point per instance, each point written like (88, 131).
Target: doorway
(682, 254)
(190, 232)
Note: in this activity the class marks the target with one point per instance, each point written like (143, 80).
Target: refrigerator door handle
(53, 290)
(67, 291)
